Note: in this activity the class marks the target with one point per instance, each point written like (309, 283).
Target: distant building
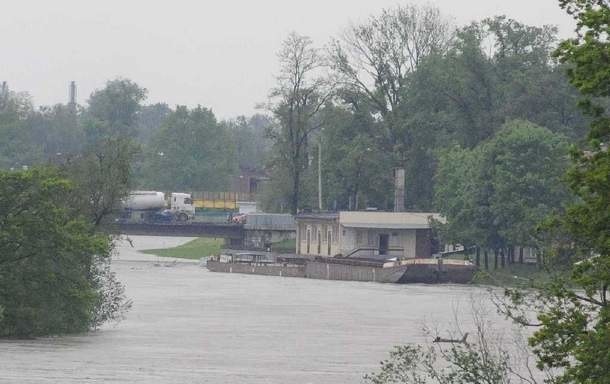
(366, 234)
(264, 229)
(248, 182)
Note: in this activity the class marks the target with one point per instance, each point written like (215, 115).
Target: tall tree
(17, 148)
(355, 172)
(377, 58)
(496, 194)
(191, 151)
(295, 102)
(102, 172)
(527, 164)
(249, 140)
(150, 118)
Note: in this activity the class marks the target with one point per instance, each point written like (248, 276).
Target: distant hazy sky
(220, 54)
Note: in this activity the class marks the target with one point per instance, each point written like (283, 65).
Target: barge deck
(430, 271)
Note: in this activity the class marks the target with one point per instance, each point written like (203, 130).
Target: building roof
(318, 216)
(387, 220)
(269, 221)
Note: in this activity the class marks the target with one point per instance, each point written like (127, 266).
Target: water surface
(189, 325)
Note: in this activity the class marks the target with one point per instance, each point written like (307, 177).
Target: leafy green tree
(467, 93)
(249, 140)
(49, 259)
(102, 172)
(354, 172)
(191, 152)
(17, 148)
(150, 118)
(375, 62)
(527, 166)
(295, 103)
(470, 91)
(376, 59)
(57, 131)
(496, 194)
(459, 196)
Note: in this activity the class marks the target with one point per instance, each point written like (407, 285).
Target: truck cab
(181, 204)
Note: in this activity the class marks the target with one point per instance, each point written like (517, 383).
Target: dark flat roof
(318, 216)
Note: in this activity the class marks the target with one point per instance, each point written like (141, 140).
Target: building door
(308, 240)
(384, 243)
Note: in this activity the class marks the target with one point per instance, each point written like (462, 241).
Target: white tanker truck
(152, 207)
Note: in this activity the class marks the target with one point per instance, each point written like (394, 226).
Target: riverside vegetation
(568, 314)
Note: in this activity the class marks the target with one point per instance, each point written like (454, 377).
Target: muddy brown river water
(188, 325)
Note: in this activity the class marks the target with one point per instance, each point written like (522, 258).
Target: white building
(404, 235)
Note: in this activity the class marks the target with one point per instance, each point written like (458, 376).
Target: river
(188, 325)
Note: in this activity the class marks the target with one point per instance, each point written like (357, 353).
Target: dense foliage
(53, 278)
(496, 194)
(190, 151)
(407, 86)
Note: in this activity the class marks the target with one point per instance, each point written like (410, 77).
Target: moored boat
(430, 270)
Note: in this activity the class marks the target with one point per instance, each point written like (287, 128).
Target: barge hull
(331, 271)
(268, 270)
(401, 274)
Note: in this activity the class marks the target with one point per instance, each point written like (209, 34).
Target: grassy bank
(284, 246)
(513, 275)
(194, 249)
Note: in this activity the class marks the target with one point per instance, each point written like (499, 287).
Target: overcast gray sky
(220, 54)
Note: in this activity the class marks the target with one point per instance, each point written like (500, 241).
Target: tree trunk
(294, 203)
(520, 255)
(478, 257)
(503, 257)
(495, 258)
(486, 258)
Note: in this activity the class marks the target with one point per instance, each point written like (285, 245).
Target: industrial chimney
(72, 94)
(399, 189)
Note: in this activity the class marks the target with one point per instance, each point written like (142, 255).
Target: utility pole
(320, 174)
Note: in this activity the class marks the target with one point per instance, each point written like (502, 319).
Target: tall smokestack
(72, 96)
(399, 189)
(3, 94)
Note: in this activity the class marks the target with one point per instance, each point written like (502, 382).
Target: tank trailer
(152, 207)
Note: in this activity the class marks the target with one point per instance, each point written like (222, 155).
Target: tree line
(404, 89)
(172, 149)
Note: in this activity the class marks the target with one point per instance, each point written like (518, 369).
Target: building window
(308, 240)
(319, 242)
